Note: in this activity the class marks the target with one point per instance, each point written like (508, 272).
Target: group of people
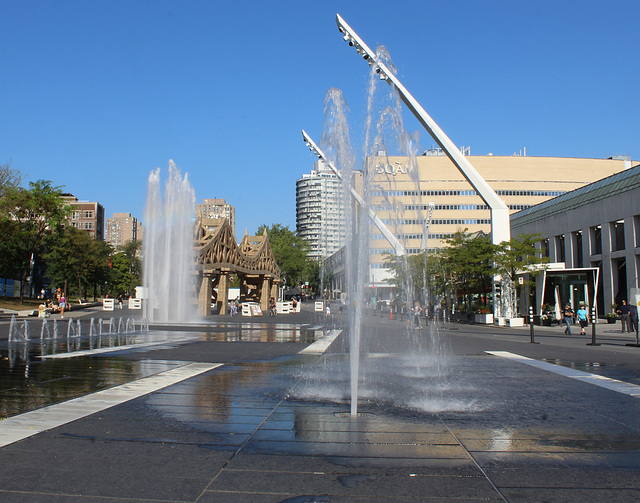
(628, 315)
(582, 315)
(434, 312)
(58, 304)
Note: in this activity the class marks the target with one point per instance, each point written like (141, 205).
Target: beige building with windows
(401, 195)
(86, 216)
(217, 208)
(122, 228)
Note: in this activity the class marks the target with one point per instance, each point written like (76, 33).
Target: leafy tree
(98, 270)
(517, 256)
(126, 269)
(122, 281)
(469, 259)
(289, 250)
(9, 248)
(66, 256)
(9, 178)
(74, 258)
(131, 251)
(418, 277)
(33, 213)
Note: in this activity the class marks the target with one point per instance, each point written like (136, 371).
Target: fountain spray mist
(169, 258)
(336, 140)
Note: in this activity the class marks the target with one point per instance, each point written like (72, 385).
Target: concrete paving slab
(500, 430)
(353, 485)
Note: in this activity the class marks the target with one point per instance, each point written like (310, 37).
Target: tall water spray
(384, 134)
(337, 143)
(169, 259)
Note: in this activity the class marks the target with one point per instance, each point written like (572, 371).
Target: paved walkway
(244, 410)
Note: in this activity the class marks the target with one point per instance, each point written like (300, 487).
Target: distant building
(86, 216)
(320, 211)
(217, 208)
(122, 228)
(139, 231)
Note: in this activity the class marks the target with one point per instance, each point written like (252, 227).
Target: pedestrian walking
(568, 318)
(583, 319)
(63, 304)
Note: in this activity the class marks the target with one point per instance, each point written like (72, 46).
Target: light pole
(393, 241)
(500, 227)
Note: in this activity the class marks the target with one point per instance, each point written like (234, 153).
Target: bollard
(531, 341)
(593, 328)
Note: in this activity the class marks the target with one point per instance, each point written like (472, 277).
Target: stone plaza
(207, 413)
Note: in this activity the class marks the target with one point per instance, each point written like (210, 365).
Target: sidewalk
(219, 419)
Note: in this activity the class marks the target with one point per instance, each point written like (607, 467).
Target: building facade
(86, 216)
(401, 195)
(217, 208)
(320, 211)
(595, 226)
(122, 228)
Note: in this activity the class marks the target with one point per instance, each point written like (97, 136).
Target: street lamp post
(500, 227)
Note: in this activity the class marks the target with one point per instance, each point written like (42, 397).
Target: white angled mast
(499, 211)
(393, 241)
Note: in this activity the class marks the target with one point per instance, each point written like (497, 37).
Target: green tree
(131, 251)
(99, 271)
(126, 268)
(9, 178)
(517, 256)
(418, 277)
(75, 261)
(289, 250)
(469, 264)
(33, 213)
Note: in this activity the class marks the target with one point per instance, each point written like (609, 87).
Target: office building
(320, 211)
(217, 208)
(400, 194)
(85, 215)
(122, 228)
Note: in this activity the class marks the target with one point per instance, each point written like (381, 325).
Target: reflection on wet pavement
(28, 382)
(30, 385)
(520, 417)
(487, 407)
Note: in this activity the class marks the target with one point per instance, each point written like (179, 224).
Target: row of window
(82, 225)
(415, 193)
(617, 241)
(77, 214)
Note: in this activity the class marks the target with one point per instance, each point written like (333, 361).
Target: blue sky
(96, 94)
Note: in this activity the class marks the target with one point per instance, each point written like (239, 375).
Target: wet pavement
(272, 424)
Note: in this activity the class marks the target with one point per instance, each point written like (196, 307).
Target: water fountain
(72, 329)
(45, 333)
(169, 262)
(382, 371)
(18, 331)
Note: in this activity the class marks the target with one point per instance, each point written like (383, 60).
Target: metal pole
(532, 341)
(593, 328)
